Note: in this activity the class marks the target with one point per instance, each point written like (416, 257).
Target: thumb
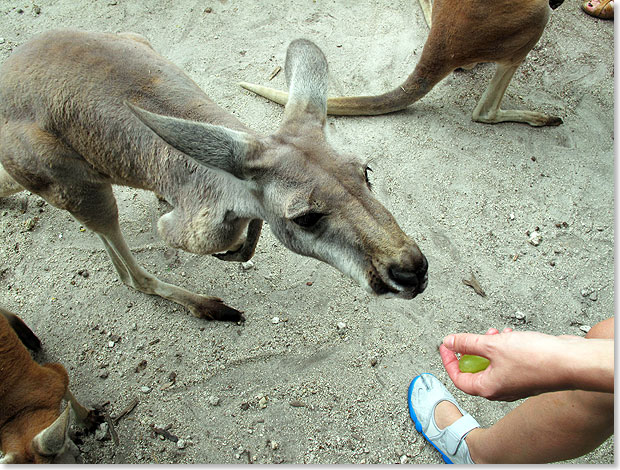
(467, 343)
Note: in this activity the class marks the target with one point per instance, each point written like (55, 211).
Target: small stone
(585, 328)
(101, 434)
(274, 445)
(2, 40)
(593, 296)
(263, 402)
(403, 459)
(214, 401)
(208, 10)
(110, 344)
(535, 238)
(104, 375)
(247, 265)
(29, 224)
(519, 315)
(341, 325)
(145, 389)
(586, 292)
(275, 320)
(373, 362)
(181, 444)
(512, 216)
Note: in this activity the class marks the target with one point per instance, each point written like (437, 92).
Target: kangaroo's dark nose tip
(411, 277)
(404, 277)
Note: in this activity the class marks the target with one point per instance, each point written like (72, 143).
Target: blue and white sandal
(425, 392)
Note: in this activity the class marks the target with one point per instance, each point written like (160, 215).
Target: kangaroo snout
(411, 277)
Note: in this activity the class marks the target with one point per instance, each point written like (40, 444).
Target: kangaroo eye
(368, 183)
(308, 220)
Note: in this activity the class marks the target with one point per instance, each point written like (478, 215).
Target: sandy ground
(301, 390)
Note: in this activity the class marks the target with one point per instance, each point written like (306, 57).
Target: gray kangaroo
(82, 111)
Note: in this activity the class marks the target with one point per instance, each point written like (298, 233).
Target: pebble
(341, 325)
(403, 459)
(274, 445)
(181, 444)
(2, 40)
(262, 402)
(247, 265)
(110, 344)
(145, 389)
(29, 224)
(585, 328)
(214, 401)
(275, 320)
(519, 315)
(102, 432)
(535, 238)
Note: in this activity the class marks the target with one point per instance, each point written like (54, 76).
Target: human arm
(529, 363)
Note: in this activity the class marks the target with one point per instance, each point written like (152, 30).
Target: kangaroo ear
(216, 147)
(9, 458)
(306, 76)
(51, 440)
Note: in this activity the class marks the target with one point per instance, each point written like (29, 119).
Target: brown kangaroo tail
(418, 84)
(24, 333)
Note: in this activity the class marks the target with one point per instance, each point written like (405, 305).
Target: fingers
(494, 331)
(465, 382)
(466, 343)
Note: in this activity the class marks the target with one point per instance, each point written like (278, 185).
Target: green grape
(472, 364)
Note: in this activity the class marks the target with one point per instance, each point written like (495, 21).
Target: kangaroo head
(316, 201)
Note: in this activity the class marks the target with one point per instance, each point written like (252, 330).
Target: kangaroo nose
(404, 277)
(414, 278)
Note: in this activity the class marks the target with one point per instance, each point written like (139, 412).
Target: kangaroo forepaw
(240, 255)
(554, 121)
(214, 308)
(91, 422)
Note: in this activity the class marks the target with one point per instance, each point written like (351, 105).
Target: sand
(303, 390)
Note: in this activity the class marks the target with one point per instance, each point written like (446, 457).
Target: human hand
(522, 363)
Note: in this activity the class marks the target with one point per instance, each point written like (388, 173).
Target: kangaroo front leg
(85, 418)
(488, 108)
(246, 250)
(132, 274)
(427, 10)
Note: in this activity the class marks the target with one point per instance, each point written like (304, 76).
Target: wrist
(589, 365)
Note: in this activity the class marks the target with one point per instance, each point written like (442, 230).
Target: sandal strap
(457, 432)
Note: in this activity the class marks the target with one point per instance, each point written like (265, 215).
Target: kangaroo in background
(82, 111)
(462, 34)
(32, 428)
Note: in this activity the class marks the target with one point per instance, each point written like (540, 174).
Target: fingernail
(448, 342)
